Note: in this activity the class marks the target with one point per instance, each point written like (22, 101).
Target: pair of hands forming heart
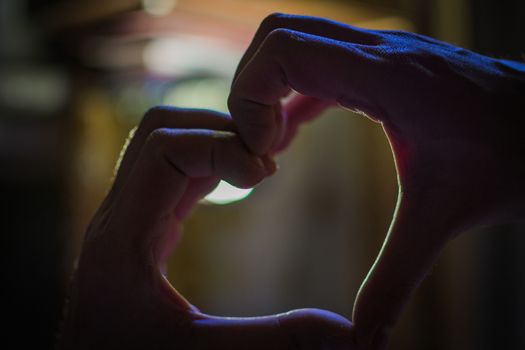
(451, 117)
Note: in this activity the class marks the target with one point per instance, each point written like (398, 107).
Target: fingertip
(236, 165)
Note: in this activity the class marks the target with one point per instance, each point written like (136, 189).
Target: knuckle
(152, 119)
(279, 35)
(273, 21)
(158, 117)
(402, 38)
(279, 40)
(156, 141)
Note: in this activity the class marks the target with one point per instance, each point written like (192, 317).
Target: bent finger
(311, 25)
(326, 69)
(165, 117)
(169, 159)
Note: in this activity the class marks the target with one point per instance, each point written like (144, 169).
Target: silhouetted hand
(454, 120)
(120, 298)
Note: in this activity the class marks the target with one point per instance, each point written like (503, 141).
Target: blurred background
(76, 76)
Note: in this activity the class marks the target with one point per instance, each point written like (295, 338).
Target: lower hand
(120, 298)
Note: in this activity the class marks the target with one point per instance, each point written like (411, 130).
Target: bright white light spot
(210, 93)
(159, 7)
(225, 193)
(182, 55)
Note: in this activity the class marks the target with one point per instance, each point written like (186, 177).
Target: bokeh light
(225, 193)
(159, 7)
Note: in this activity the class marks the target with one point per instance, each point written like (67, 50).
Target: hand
(452, 118)
(120, 298)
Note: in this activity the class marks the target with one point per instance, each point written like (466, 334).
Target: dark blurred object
(34, 90)
(499, 28)
(499, 301)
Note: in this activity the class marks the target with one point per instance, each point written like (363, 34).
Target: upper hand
(451, 117)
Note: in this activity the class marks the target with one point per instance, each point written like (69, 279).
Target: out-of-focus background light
(159, 7)
(77, 75)
(225, 193)
(209, 93)
(42, 90)
(178, 55)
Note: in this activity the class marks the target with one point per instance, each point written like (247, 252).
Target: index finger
(307, 24)
(327, 69)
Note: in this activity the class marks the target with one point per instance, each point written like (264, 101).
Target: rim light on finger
(225, 193)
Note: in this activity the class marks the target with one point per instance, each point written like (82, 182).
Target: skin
(452, 119)
(119, 296)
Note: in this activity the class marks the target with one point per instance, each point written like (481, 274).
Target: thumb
(297, 329)
(414, 242)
